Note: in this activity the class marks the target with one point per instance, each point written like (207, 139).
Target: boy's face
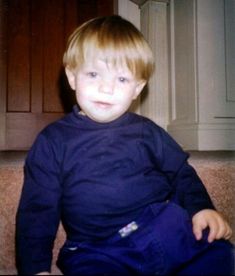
(104, 92)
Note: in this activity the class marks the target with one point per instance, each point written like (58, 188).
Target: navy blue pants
(160, 242)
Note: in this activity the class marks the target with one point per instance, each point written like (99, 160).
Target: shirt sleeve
(189, 191)
(187, 188)
(38, 213)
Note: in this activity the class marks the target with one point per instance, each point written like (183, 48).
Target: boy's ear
(71, 78)
(139, 88)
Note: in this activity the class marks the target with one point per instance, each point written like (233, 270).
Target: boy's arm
(189, 191)
(191, 194)
(187, 188)
(38, 214)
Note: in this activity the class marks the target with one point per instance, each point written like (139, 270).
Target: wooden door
(33, 87)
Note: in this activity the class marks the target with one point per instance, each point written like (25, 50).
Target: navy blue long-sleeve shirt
(96, 178)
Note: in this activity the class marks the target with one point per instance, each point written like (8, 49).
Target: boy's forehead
(106, 62)
(109, 54)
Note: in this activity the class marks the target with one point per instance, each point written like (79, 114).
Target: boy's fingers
(214, 231)
(219, 231)
(211, 236)
(226, 233)
(197, 230)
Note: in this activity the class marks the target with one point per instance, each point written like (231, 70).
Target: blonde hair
(113, 38)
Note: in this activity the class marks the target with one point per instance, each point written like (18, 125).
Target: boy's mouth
(103, 105)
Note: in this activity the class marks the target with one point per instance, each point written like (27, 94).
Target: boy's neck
(81, 113)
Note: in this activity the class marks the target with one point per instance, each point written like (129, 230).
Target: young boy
(129, 201)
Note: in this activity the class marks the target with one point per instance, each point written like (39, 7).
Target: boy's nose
(107, 87)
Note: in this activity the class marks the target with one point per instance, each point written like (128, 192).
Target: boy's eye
(123, 79)
(92, 74)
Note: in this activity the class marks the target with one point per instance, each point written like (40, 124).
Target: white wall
(130, 11)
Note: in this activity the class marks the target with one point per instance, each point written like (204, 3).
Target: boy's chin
(104, 119)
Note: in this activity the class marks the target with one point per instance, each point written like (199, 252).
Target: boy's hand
(218, 226)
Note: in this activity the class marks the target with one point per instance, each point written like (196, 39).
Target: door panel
(33, 88)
